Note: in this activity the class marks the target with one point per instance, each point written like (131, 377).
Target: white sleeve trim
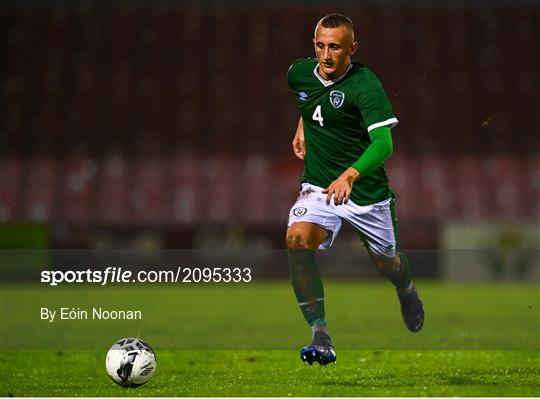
(392, 122)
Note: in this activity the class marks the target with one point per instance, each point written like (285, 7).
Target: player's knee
(299, 240)
(387, 266)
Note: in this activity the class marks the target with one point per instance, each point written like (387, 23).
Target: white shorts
(374, 222)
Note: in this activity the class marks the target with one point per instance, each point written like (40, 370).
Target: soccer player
(343, 136)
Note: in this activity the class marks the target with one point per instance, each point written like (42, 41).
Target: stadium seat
(222, 201)
(471, 187)
(185, 190)
(146, 197)
(255, 206)
(78, 189)
(531, 194)
(405, 181)
(505, 178)
(40, 199)
(436, 190)
(112, 190)
(11, 170)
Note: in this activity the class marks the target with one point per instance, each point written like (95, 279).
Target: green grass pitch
(243, 340)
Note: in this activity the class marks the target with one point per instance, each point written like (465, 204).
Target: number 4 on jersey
(317, 115)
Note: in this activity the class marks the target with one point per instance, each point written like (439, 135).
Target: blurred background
(167, 124)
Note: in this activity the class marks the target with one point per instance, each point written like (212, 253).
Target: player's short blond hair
(335, 21)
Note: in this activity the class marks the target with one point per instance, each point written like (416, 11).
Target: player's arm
(298, 143)
(378, 151)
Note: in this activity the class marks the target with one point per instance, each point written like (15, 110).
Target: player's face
(333, 48)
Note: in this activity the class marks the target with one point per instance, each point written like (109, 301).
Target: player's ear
(354, 46)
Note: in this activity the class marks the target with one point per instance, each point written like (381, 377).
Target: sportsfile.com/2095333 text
(113, 274)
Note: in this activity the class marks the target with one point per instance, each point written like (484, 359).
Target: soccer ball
(131, 362)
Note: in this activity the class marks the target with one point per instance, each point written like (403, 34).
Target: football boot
(320, 350)
(412, 309)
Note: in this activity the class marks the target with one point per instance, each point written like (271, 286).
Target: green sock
(403, 278)
(307, 285)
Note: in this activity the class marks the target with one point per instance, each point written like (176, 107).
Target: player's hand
(298, 143)
(299, 147)
(341, 188)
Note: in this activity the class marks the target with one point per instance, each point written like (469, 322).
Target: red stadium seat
(436, 190)
(184, 191)
(471, 188)
(11, 170)
(146, 195)
(530, 196)
(41, 190)
(505, 179)
(112, 190)
(222, 201)
(405, 181)
(285, 187)
(255, 206)
(79, 189)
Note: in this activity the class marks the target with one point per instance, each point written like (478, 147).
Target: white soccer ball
(131, 362)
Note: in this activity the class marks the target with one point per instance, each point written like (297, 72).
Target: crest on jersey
(299, 211)
(302, 96)
(337, 98)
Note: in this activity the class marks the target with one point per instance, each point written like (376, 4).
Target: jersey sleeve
(375, 106)
(293, 72)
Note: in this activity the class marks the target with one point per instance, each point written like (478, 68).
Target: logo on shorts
(337, 98)
(299, 211)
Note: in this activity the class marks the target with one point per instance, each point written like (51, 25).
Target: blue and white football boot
(320, 350)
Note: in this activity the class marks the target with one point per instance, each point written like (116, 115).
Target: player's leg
(311, 225)
(377, 225)
(303, 238)
(397, 270)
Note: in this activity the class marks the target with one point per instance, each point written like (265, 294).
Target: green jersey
(338, 116)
